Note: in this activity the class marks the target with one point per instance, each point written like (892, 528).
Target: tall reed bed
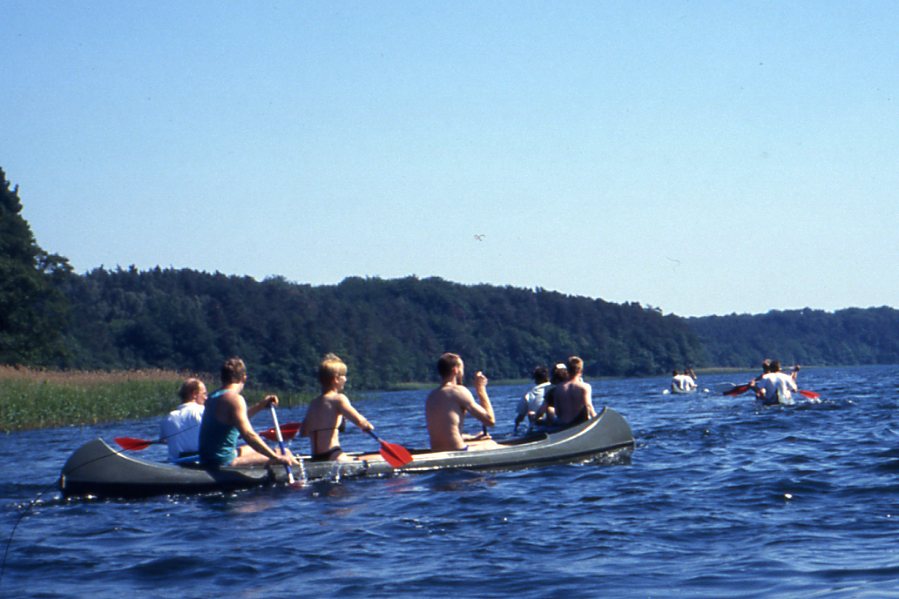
(32, 399)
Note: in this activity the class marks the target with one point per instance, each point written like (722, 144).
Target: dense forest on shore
(388, 331)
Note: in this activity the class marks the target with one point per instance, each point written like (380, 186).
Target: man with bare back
(446, 406)
(574, 397)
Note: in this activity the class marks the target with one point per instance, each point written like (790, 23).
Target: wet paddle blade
(809, 394)
(395, 455)
(132, 444)
(738, 390)
(288, 432)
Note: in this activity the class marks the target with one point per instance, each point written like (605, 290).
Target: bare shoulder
(233, 398)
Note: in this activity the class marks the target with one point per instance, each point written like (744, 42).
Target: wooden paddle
(290, 478)
(288, 431)
(395, 455)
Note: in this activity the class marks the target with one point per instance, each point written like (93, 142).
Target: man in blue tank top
(226, 419)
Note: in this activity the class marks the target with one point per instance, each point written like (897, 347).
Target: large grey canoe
(97, 469)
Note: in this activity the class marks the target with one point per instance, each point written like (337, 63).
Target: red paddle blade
(738, 390)
(395, 455)
(809, 394)
(288, 432)
(132, 444)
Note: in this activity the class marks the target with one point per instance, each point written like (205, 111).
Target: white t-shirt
(684, 382)
(181, 429)
(777, 386)
(532, 400)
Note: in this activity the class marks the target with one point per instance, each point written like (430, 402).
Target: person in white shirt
(180, 430)
(533, 399)
(683, 383)
(776, 386)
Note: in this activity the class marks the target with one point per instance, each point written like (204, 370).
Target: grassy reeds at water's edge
(31, 399)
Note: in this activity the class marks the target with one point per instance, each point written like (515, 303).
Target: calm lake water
(722, 497)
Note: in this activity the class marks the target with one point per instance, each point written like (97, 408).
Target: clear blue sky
(699, 157)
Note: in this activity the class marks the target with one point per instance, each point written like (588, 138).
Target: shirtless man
(574, 397)
(446, 406)
(226, 418)
(322, 423)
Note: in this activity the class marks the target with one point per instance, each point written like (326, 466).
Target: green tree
(33, 310)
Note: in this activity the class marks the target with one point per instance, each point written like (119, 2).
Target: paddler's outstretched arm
(485, 414)
(347, 410)
(269, 400)
(242, 422)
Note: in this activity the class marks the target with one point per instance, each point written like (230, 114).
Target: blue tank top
(218, 442)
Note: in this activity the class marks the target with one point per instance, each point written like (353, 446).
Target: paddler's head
(193, 389)
(332, 372)
(234, 371)
(450, 366)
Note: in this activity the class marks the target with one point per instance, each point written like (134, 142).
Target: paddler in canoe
(774, 386)
(322, 423)
(573, 399)
(684, 382)
(180, 429)
(531, 401)
(446, 406)
(226, 418)
(547, 411)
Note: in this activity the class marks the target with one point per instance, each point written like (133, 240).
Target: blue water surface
(721, 498)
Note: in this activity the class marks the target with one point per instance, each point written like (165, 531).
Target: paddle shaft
(290, 478)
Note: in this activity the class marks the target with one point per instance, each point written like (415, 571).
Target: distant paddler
(776, 387)
(683, 382)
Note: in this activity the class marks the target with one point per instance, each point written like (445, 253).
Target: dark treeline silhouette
(389, 331)
(845, 337)
(33, 312)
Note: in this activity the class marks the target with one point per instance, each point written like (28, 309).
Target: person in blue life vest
(227, 419)
(180, 429)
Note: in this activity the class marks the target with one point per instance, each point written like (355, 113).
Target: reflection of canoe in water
(97, 469)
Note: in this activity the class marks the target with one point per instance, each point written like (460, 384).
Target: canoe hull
(96, 469)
